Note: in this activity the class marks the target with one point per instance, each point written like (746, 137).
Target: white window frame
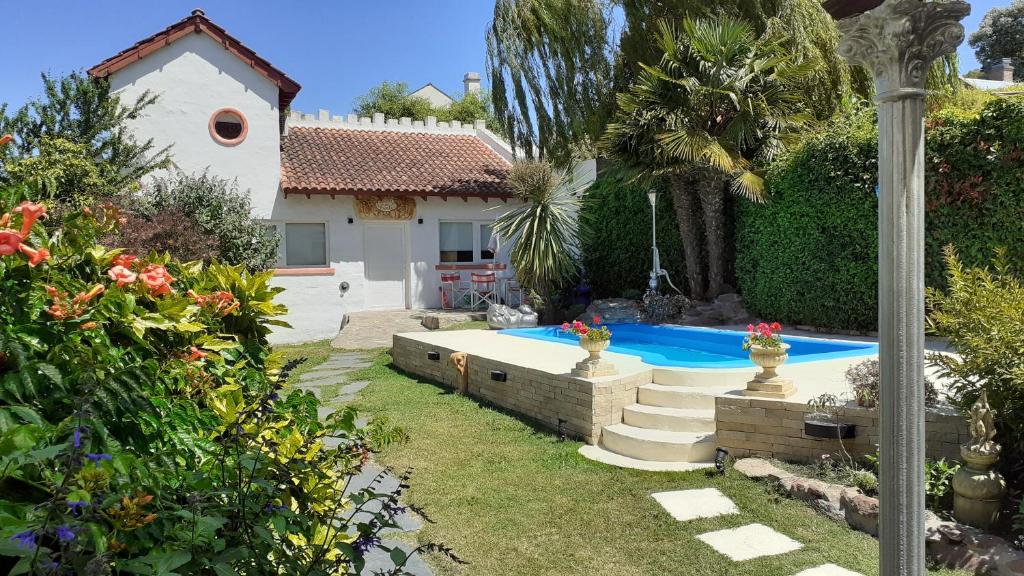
(478, 244)
(282, 248)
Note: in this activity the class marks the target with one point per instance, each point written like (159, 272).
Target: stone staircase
(670, 428)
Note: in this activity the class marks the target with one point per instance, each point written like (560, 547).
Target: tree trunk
(711, 189)
(689, 232)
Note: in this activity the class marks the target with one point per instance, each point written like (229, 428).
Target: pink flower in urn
(565, 326)
(597, 319)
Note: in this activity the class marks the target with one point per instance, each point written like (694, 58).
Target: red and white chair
(483, 289)
(454, 291)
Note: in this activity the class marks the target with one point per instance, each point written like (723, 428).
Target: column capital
(898, 40)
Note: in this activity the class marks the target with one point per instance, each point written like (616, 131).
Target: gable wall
(194, 77)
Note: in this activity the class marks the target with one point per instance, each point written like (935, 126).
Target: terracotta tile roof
(343, 161)
(197, 23)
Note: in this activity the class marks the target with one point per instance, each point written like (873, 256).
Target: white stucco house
(370, 211)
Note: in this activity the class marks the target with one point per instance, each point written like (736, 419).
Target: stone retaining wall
(585, 405)
(756, 427)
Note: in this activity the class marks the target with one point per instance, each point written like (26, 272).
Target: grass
(513, 500)
(468, 325)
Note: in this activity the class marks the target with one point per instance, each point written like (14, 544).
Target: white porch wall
(193, 78)
(315, 303)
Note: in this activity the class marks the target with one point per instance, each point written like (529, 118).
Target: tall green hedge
(616, 246)
(809, 255)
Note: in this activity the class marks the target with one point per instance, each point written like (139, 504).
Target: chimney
(471, 82)
(1002, 71)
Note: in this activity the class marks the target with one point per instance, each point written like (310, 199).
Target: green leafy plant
(938, 487)
(864, 380)
(981, 313)
(543, 232)
(147, 428)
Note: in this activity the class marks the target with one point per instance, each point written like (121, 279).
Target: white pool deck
(811, 378)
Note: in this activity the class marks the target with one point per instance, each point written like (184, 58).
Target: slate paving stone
(829, 570)
(377, 560)
(325, 411)
(315, 376)
(354, 387)
(749, 542)
(684, 505)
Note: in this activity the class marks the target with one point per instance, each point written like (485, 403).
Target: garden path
(329, 382)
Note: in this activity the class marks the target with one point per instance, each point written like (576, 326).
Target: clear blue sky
(336, 49)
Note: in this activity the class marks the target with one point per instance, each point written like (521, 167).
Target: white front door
(385, 263)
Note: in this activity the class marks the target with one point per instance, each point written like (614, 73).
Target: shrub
(981, 314)
(809, 255)
(864, 380)
(218, 208)
(171, 230)
(616, 242)
(145, 427)
(938, 484)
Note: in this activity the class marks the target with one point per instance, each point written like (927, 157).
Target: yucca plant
(543, 233)
(721, 101)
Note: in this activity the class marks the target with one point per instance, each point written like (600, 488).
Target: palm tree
(720, 102)
(543, 232)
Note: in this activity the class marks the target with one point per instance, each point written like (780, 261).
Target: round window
(228, 126)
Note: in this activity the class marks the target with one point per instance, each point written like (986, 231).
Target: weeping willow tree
(550, 67)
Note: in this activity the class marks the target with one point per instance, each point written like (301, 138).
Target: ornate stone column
(897, 42)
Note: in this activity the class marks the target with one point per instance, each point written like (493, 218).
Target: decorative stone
(460, 362)
(861, 512)
(613, 311)
(500, 317)
(977, 487)
(768, 383)
(594, 366)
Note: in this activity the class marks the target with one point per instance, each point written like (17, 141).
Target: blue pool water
(684, 346)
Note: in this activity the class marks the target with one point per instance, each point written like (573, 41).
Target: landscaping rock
(861, 512)
(613, 311)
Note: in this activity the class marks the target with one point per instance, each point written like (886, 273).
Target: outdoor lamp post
(652, 197)
(897, 40)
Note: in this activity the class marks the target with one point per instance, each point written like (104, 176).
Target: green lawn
(512, 500)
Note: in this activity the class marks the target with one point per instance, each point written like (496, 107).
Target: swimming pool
(691, 347)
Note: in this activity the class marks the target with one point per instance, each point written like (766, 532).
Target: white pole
(652, 197)
(897, 42)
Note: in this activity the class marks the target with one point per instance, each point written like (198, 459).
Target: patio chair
(513, 294)
(454, 292)
(482, 289)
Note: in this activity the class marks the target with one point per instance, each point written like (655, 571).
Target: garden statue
(459, 361)
(978, 488)
(500, 317)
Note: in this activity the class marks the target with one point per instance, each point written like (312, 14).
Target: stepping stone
(317, 376)
(354, 387)
(379, 561)
(748, 542)
(323, 412)
(686, 505)
(829, 570)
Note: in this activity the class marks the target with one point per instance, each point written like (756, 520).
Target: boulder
(500, 317)
(861, 511)
(613, 311)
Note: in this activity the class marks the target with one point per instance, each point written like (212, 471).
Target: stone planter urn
(977, 487)
(594, 366)
(767, 383)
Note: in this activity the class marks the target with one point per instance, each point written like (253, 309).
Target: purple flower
(95, 458)
(78, 437)
(26, 539)
(65, 534)
(271, 508)
(76, 506)
(365, 543)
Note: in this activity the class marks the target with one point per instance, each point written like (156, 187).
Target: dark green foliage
(1001, 35)
(82, 111)
(617, 246)
(217, 208)
(394, 101)
(809, 256)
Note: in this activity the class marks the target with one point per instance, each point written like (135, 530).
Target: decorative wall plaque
(385, 207)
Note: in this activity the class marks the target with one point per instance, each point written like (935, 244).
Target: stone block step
(688, 397)
(671, 419)
(599, 454)
(658, 445)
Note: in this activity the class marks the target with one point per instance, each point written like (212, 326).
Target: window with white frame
(303, 244)
(465, 242)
